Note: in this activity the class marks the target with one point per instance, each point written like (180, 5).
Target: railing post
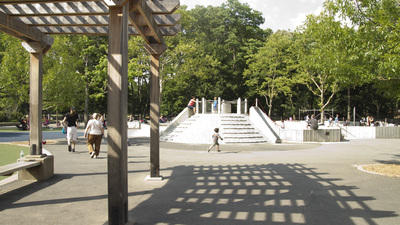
(239, 108)
(257, 102)
(197, 106)
(219, 105)
(203, 105)
(245, 106)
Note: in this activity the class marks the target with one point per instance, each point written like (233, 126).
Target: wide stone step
(240, 132)
(242, 136)
(255, 140)
(238, 120)
(236, 124)
(238, 127)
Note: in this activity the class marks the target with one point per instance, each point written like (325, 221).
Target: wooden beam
(139, 8)
(103, 30)
(57, 8)
(76, 7)
(13, 2)
(111, 3)
(163, 6)
(22, 31)
(95, 20)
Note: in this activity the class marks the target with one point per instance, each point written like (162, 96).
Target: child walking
(215, 137)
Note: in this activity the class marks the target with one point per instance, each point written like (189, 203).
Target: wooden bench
(11, 168)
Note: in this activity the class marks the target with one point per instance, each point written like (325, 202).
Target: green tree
(271, 68)
(62, 80)
(318, 51)
(14, 78)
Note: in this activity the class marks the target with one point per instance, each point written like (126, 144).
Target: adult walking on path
(94, 132)
(71, 120)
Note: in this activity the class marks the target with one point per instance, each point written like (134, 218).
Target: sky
(278, 14)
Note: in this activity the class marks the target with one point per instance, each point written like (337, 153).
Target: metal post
(354, 116)
(257, 102)
(117, 111)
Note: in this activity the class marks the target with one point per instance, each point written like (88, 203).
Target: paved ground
(247, 184)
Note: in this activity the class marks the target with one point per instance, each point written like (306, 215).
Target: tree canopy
(347, 56)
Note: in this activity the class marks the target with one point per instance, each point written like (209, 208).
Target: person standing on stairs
(215, 138)
(191, 106)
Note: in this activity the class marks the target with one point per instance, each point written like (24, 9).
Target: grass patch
(391, 170)
(10, 154)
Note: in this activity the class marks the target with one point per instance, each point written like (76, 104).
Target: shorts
(190, 107)
(72, 134)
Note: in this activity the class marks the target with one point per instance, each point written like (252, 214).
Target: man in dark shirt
(313, 123)
(71, 121)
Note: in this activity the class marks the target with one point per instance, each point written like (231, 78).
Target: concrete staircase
(238, 129)
(198, 129)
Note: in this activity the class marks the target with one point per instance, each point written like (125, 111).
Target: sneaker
(95, 156)
(91, 154)
(73, 150)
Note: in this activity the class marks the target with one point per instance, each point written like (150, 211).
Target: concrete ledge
(322, 135)
(39, 173)
(148, 178)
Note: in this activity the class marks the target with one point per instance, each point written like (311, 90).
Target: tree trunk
(322, 107)
(348, 104)
(85, 115)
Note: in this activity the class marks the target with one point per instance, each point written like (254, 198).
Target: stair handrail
(182, 116)
(267, 122)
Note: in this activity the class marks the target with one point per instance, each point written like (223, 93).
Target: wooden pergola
(33, 21)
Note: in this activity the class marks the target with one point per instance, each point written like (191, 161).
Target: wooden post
(154, 116)
(117, 112)
(155, 50)
(35, 95)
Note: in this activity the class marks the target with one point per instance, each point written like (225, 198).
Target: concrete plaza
(244, 184)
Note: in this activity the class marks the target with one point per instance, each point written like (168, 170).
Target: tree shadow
(395, 160)
(254, 194)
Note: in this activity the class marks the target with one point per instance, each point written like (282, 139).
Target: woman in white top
(94, 132)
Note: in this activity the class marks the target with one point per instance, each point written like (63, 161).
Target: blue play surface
(24, 136)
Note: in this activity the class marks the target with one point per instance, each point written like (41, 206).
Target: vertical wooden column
(155, 116)
(35, 103)
(117, 112)
(35, 95)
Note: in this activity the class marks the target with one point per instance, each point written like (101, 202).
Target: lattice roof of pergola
(34, 20)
